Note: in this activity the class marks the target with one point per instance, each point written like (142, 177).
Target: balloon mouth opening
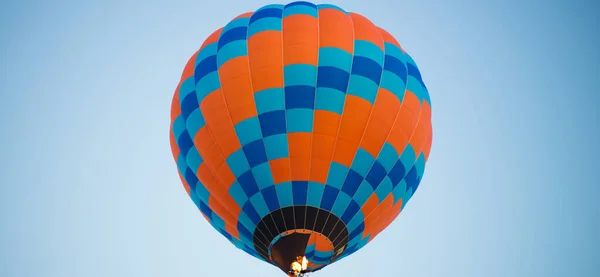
(288, 252)
(324, 239)
(300, 239)
(303, 243)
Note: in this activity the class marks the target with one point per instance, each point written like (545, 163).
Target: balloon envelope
(300, 131)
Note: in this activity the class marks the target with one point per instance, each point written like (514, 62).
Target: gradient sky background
(89, 186)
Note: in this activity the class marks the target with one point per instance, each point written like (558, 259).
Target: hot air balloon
(300, 131)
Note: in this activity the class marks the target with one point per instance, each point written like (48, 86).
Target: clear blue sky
(89, 188)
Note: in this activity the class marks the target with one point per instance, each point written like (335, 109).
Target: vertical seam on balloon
(413, 164)
(176, 157)
(366, 125)
(416, 125)
(393, 124)
(284, 115)
(172, 123)
(400, 154)
(285, 111)
(428, 137)
(312, 135)
(341, 116)
(213, 173)
(231, 120)
(262, 137)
